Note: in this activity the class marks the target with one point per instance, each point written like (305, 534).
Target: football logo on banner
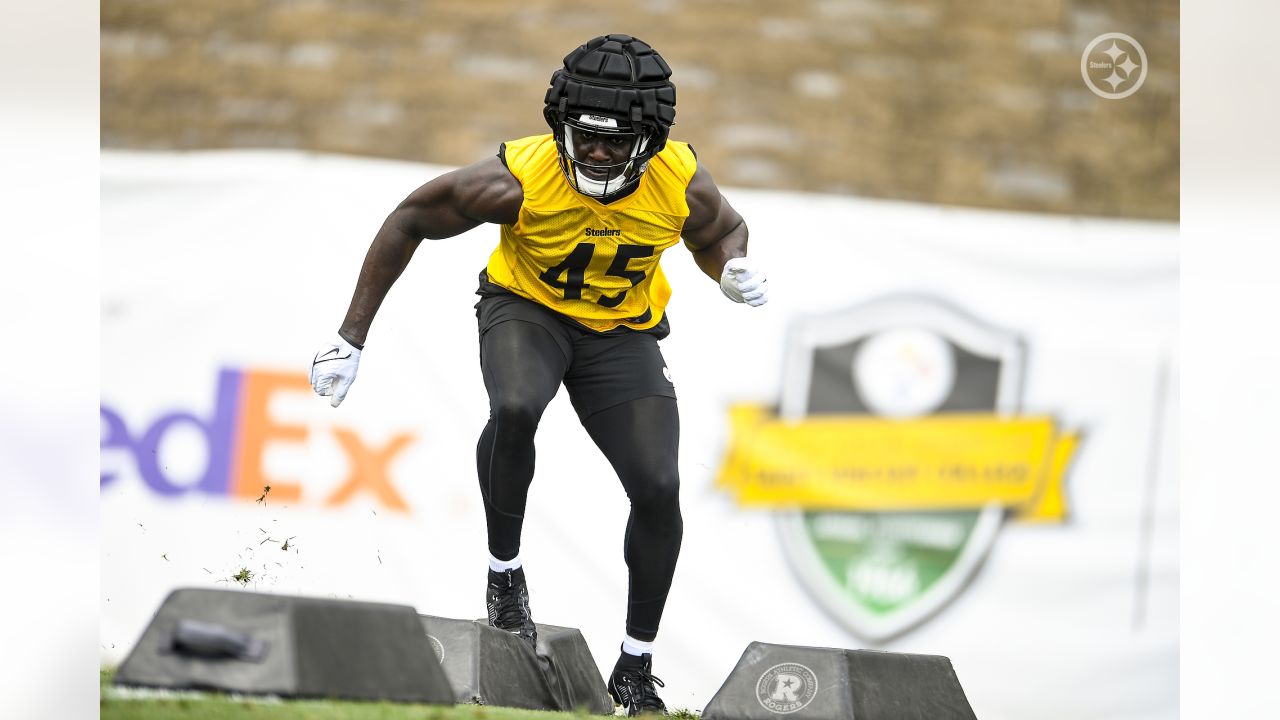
(896, 454)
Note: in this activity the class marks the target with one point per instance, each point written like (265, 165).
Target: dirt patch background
(964, 102)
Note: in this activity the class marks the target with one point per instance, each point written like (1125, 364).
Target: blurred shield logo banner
(896, 453)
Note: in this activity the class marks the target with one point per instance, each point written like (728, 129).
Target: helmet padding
(618, 77)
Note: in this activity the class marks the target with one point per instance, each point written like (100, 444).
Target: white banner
(223, 272)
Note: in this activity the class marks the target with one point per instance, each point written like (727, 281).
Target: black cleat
(507, 599)
(631, 686)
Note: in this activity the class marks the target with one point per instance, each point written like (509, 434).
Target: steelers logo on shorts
(786, 688)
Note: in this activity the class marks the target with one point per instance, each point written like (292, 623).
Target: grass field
(133, 705)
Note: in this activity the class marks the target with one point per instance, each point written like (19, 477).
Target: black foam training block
(806, 683)
(571, 671)
(494, 667)
(289, 646)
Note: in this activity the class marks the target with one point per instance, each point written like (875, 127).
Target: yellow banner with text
(869, 463)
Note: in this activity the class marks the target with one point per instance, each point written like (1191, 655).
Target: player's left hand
(743, 281)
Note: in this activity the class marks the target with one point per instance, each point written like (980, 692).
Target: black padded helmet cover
(618, 76)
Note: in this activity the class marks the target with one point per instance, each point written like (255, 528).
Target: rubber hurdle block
(252, 643)
(807, 683)
(488, 666)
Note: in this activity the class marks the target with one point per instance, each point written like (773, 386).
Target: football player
(574, 295)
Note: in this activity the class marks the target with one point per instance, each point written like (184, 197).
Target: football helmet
(610, 109)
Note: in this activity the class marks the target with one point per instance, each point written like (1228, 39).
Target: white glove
(744, 281)
(334, 369)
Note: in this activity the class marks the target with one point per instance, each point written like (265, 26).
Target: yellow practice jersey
(592, 262)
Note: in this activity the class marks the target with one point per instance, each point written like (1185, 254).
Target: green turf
(210, 706)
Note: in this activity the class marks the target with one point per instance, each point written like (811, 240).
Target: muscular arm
(714, 232)
(446, 206)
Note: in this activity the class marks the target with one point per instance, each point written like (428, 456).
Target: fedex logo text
(237, 436)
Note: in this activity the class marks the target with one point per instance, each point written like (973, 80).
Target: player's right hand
(334, 369)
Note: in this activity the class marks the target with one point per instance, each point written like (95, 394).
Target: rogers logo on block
(786, 688)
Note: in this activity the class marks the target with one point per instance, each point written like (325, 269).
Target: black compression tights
(523, 368)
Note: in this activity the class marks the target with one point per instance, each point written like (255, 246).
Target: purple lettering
(215, 479)
(115, 435)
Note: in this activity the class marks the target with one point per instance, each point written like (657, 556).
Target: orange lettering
(257, 429)
(369, 470)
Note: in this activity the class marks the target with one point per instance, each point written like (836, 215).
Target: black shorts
(605, 369)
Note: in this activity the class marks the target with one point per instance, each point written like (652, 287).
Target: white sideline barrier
(244, 262)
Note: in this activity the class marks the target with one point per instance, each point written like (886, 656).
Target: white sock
(632, 646)
(497, 565)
